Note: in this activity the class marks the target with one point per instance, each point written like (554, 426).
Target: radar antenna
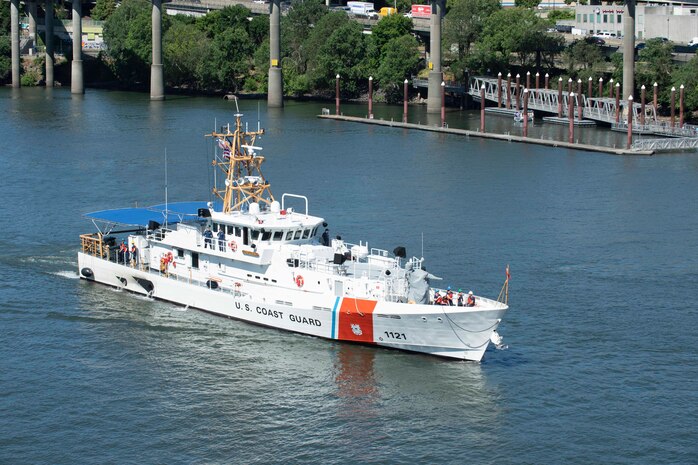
(241, 165)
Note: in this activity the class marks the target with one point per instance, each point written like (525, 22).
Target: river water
(601, 365)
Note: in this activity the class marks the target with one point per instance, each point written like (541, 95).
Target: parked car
(693, 42)
(595, 40)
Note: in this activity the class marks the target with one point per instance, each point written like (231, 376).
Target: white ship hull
(447, 331)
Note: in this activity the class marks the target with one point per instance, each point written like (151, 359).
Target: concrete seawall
(486, 135)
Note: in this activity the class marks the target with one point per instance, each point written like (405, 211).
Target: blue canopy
(176, 212)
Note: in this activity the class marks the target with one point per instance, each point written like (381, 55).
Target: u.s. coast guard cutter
(250, 257)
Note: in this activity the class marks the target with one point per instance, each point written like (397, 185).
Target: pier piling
(404, 104)
(275, 84)
(525, 112)
(508, 91)
(673, 107)
(14, 28)
(336, 99)
(630, 122)
(517, 91)
(48, 29)
(559, 97)
(600, 87)
(482, 108)
(499, 90)
(370, 97)
(157, 77)
(570, 111)
(681, 106)
(642, 105)
(617, 102)
(443, 104)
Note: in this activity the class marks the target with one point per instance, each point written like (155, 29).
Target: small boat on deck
(519, 116)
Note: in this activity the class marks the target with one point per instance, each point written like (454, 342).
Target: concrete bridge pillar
(157, 78)
(435, 74)
(31, 13)
(48, 30)
(14, 28)
(275, 84)
(629, 48)
(76, 79)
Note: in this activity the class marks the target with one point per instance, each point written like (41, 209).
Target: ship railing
(235, 290)
(93, 244)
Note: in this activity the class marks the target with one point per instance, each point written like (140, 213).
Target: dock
(488, 135)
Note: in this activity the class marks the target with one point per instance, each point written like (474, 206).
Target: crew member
(208, 237)
(325, 239)
(221, 239)
(123, 253)
(460, 298)
(471, 300)
(134, 255)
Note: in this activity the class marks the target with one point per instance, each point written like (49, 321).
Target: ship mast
(241, 165)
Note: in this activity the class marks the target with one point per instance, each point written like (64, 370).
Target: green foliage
(215, 22)
(297, 25)
(5, 18)
(519, 31)
(259, 29)
(464, 22)
(128, 38)
(232, 52)
(187, 56)
(31, 77)
(582, 55)
(103, 9)
(399, 60)
(654, 65)
(526, 3)
(341, 53)
(688, 76)
(5, 58)
(389, 28)
(561, 15)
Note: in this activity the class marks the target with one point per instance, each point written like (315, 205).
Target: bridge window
(298, 234)
(306, 234)
(278, 235)
(254, 234)
(266, 235)
(289, 235)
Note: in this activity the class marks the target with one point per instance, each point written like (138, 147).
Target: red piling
(337, 96)
(508, 91)
(570, 111)
(642, 105)
(443, 104)
(499, 90)
(673, 106)
(559, 98)
(681, 106)
(482, 108)
(525, 113)
(630, 122)
(404, 104)
(370, 97)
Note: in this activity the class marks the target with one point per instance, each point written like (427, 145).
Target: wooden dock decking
(488, 135)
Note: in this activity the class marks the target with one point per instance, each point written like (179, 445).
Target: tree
(232, 56)
(399, 60)
(582, 54)
(688, 76)
(128, 38)
(5, 58)
(464, 22)
(5, 18)
(103, 9)
(187, 56)
(297, 25)
(526, 3)
(218, 21)
(560, 14)
(520, 31)
(654, 65)
(341, 53)
(259, 29)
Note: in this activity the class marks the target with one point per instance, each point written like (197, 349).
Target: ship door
(245, 236)
(195, 260)
(339, 288)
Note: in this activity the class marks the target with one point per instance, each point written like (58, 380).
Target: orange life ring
(233, 245)
(299, 281)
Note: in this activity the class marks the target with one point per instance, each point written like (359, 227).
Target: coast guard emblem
(356, 329)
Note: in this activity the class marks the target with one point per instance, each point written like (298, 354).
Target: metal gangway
(601, 109)
(664, 145)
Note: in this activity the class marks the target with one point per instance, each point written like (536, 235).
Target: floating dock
(488, 135)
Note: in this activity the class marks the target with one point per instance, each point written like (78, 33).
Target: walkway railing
(684, 143)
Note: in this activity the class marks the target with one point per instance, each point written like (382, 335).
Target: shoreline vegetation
(227, 52)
